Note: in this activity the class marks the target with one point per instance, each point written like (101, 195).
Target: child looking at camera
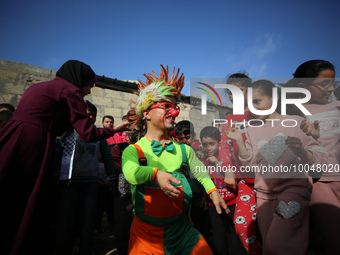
(223, 238)
(318, 77)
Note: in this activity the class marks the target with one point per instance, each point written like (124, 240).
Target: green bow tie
(157, 147)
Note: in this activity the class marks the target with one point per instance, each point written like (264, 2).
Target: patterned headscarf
(156, 89)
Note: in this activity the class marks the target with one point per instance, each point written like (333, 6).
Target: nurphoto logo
(238, 102)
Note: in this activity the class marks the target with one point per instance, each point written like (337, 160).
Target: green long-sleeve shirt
(166, 161)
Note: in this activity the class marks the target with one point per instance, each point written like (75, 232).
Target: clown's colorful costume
(161, 224)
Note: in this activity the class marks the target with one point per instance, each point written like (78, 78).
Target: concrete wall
(15, 78)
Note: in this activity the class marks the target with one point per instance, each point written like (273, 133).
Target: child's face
(185, 139)
(322, 87)
(261, 101)
(210, 146)
(92, 115)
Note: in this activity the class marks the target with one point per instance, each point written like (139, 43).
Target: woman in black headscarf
(27, 147)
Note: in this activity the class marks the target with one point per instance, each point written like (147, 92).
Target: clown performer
(155, 168)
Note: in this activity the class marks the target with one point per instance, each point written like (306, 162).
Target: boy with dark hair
(182, 131)
(212, 132)
(108, 121)
(185, 133)
(223, 238)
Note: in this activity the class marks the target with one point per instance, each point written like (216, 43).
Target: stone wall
(113, 100)
(15, 78)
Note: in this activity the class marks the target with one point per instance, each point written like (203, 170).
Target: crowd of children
(146, 180)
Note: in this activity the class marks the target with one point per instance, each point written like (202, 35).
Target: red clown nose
(174, 113)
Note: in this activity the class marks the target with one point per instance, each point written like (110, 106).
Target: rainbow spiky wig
(156, 89)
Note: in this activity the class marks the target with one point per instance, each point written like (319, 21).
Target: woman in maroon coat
(27, 148)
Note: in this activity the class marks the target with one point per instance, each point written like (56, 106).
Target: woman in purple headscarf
(27, 148)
